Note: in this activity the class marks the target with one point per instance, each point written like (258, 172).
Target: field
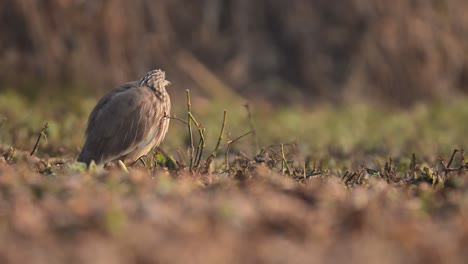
(301, 131)
(356, 183)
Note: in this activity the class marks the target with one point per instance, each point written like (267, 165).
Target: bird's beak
(166, 83)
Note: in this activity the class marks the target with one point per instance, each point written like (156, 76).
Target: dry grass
(56, 212)
(399, 51)
(257, 185)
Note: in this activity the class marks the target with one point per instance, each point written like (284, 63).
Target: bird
(128, 122)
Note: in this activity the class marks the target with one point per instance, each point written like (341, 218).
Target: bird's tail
(86, 156)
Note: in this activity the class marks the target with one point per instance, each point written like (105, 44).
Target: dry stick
(304, 170)
(197, 152)
(462, 166)
(216, 149)
(252, 126)
(413, 165)
(447, 168)
(284, 144)
(350, 178)
(177, 118)
(142, 161)
(388, 170)
(451, 158)
(285, 161)
(462, 162)
(41, 134)
(276, 153)
(201, 143)
(465, 166)
(10, 155)
(444, 167)
(230, 142)
(462, 154)
(359, 179)
(344, 175)
(313, 173)
(186, 123)
(189, 109)
(201, 147)
(181, 157)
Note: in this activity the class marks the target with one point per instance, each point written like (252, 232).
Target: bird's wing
(119, 121)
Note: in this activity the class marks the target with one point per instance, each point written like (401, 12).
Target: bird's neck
(161, 93)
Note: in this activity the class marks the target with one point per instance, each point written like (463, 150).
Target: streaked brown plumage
(128, 122)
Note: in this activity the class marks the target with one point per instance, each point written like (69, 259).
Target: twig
(201, 147)
(293, 144)
(274, 152)
(238, 138)
(142, 161)
(201, 143)
(304, 170)
(226, 157)
(176, 118)
(230, 142)
(462, 154)
(451, 158)
(388, 170)
(359, 179)
(285, 162)
(252, 126)
(344, 175)
(350, 178)
(462, 166)
(41, 134)
(181, 157)
(413, 165)
(216, 149)
(192, 148)
(10, 155)
(313, 173)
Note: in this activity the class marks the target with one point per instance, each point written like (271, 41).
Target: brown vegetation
(54, 212)
(398, 50)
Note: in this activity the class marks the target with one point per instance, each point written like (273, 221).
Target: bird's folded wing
(120, 123)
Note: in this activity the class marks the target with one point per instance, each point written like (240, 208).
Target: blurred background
(397, 50)
(305, 57)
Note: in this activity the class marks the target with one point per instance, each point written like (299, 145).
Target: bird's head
(155, 79)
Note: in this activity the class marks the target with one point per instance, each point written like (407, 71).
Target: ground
(322, 184)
